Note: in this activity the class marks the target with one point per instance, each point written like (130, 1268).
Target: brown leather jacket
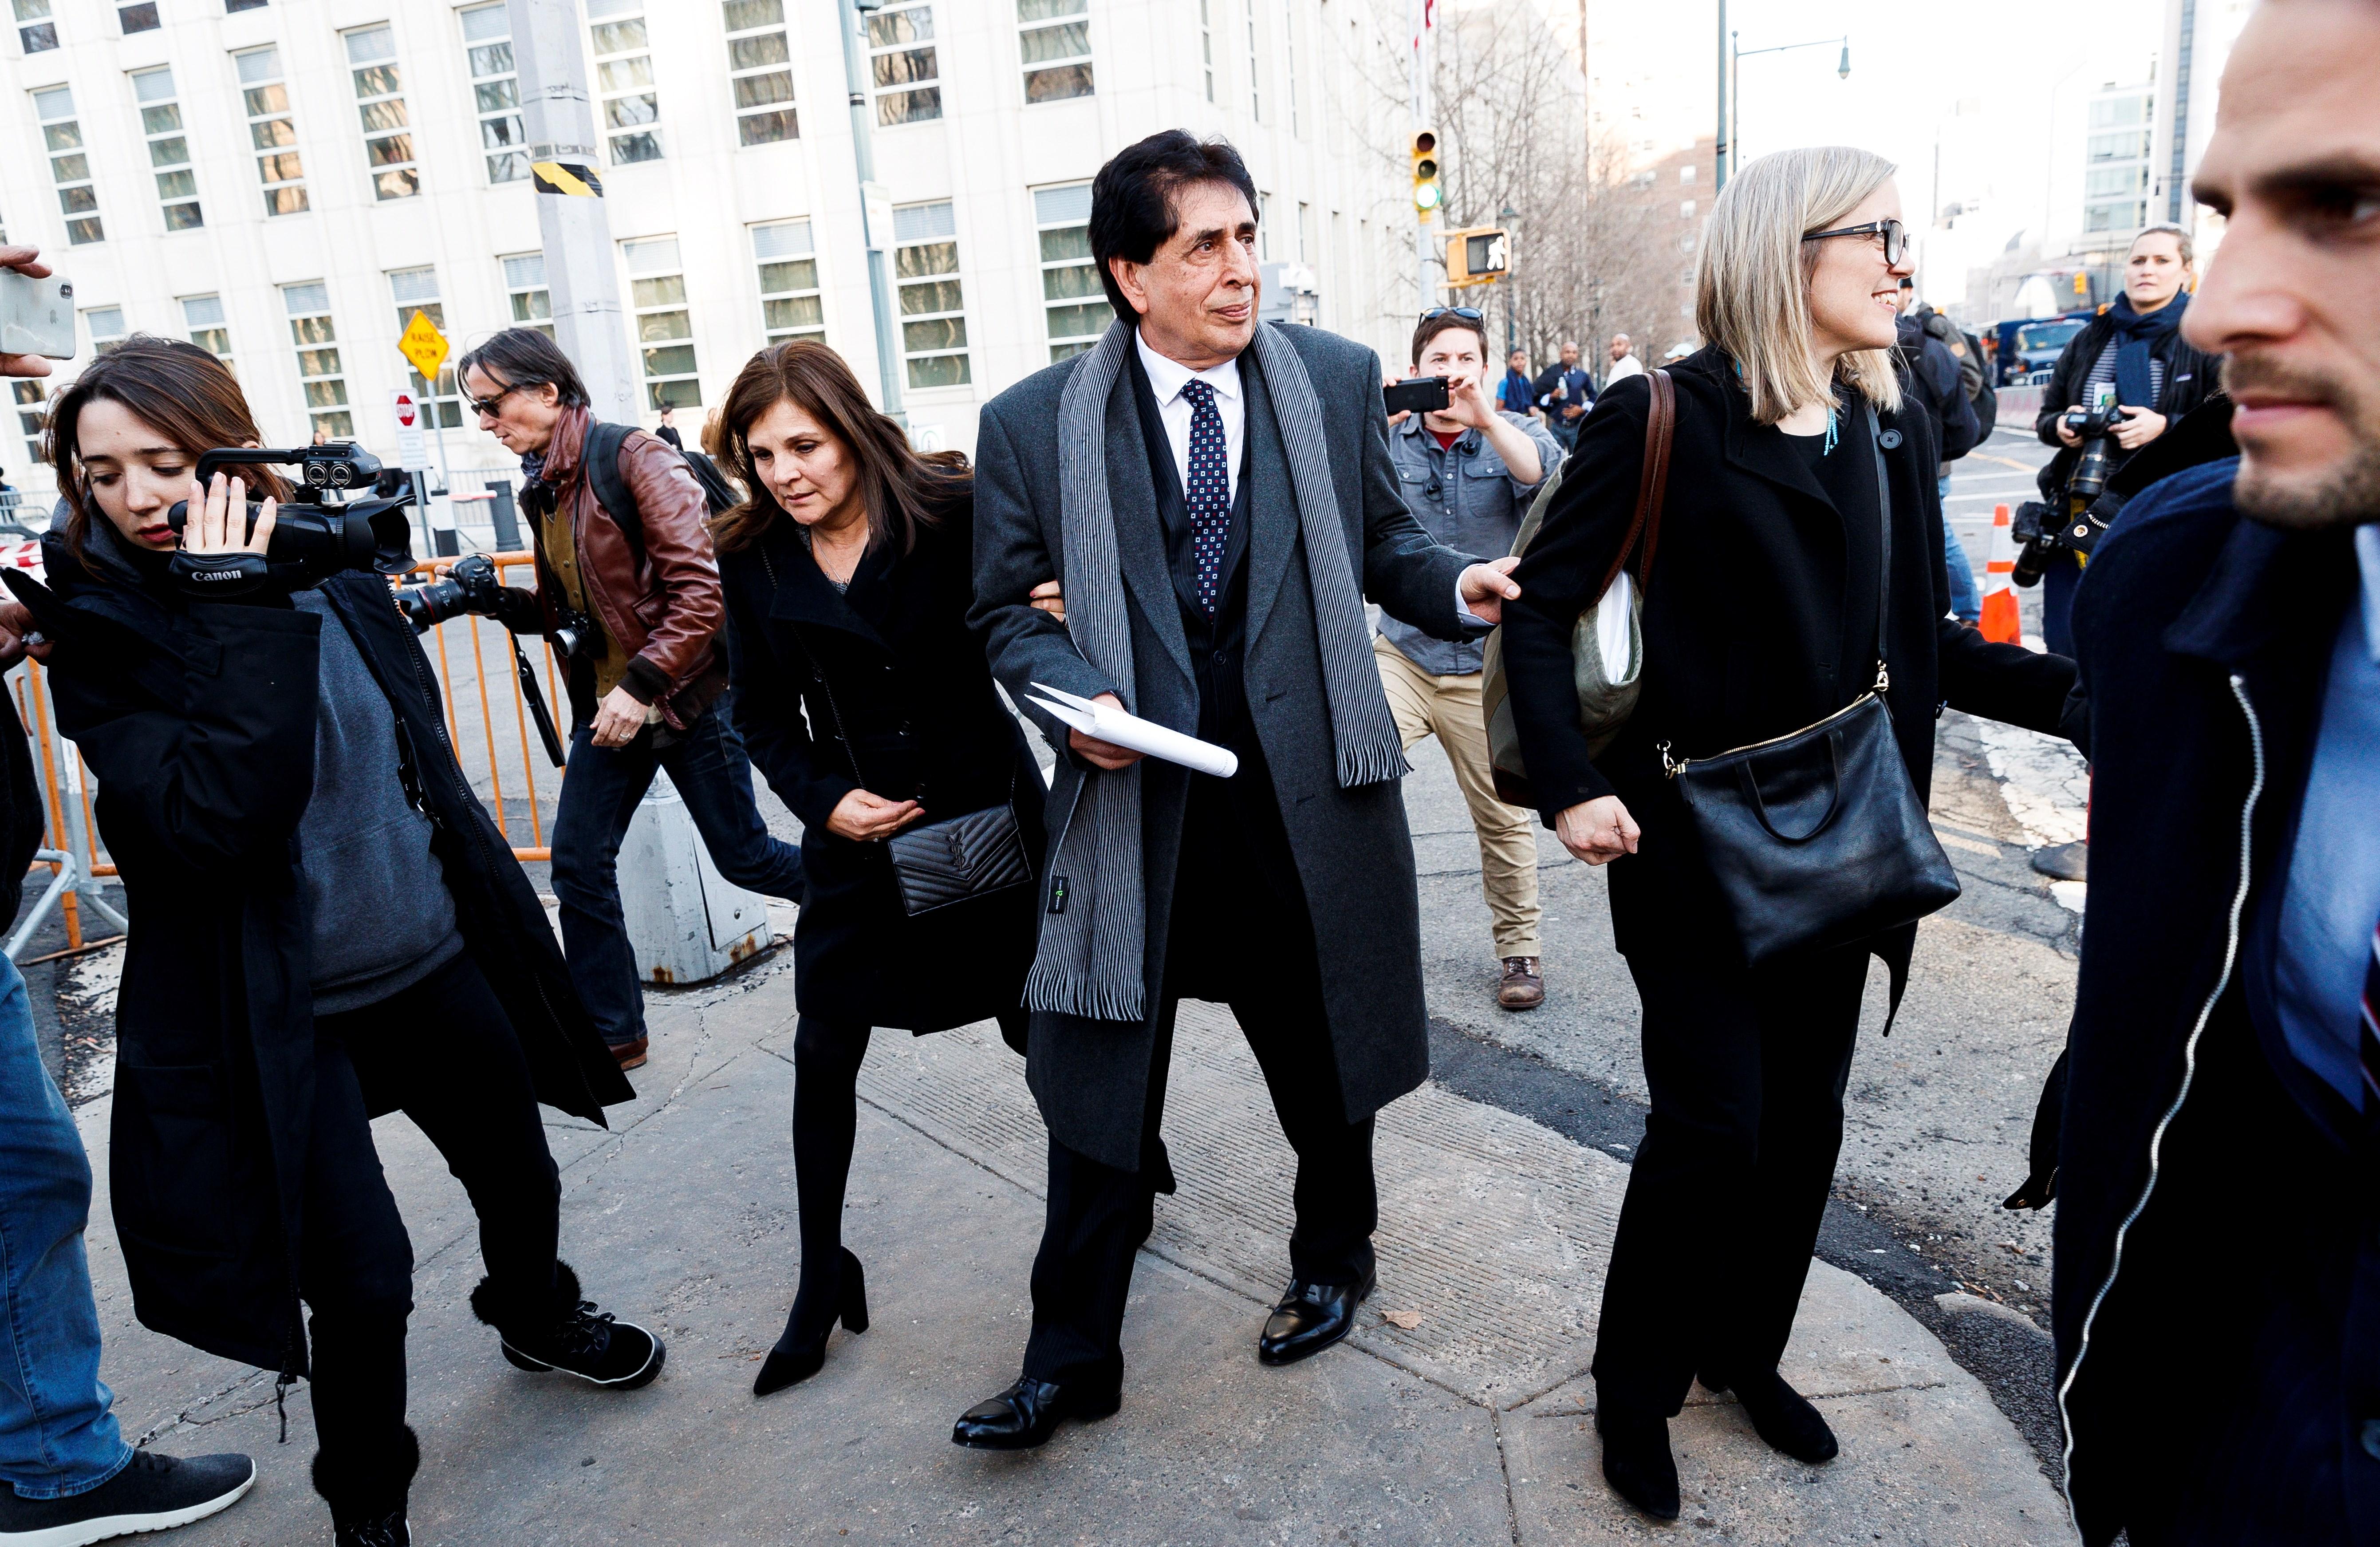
(663, 604)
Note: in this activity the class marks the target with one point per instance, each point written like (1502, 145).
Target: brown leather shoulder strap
(1652, 482)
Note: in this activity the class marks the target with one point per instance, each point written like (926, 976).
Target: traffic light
(1427, 196)
(1481, 255)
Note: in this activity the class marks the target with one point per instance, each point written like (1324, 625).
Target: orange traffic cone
(2000, 624)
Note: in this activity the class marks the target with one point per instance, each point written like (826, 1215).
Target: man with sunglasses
(1467, 472)
(636, 591)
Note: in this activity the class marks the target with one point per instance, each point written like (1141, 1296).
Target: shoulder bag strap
(1652, 483)
(1884, 543)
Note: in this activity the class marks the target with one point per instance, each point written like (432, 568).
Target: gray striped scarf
(1092, 957)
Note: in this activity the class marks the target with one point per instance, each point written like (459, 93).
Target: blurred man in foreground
(2217, 1302)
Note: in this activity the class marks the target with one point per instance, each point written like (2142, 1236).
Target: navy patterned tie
(1209, 491)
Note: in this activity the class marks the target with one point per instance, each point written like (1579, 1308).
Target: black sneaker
(591, 1345)
(152, 1493)
(389, 1530)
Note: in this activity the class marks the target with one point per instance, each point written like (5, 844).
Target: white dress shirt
(1166, 379)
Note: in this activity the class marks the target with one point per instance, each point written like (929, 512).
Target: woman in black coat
(324, 925)
(867, 705)
(1760, 616)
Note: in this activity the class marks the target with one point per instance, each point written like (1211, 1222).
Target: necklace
(1832, 435)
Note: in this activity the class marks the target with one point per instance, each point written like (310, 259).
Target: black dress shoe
(1637, 1463)
(1027, 1413)
(1311, 1318)
(1783, 1417)
(800, 1352)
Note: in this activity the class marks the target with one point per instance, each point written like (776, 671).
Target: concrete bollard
(687, 923)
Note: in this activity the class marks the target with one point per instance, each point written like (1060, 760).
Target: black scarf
(2136, 336)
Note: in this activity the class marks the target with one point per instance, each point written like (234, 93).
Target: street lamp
(1730, 76)
(1511, 325)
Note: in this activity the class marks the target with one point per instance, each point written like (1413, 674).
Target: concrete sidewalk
(1473, 1426)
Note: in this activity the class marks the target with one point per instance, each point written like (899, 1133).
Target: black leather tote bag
(1817, 839)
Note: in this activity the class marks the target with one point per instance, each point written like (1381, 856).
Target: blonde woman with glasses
(1798, 568)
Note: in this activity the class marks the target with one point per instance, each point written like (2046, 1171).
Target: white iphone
(37, 316)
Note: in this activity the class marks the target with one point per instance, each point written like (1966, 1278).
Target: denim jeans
(57, 1437)
(599, 791)
(1966, 605)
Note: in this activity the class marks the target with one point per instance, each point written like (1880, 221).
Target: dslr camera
(471, 585)
(347, 512)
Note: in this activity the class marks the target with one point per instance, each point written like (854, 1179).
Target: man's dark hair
(524, 357)
(1131, 199)
(1446, 321)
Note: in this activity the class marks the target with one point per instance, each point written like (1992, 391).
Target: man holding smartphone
(1467, 472)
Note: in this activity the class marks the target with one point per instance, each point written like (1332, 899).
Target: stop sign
(407, 410)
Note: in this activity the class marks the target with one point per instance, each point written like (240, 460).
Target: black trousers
(355, 1273)
(1240, 936)
(477, 1104)
(1747, 1070)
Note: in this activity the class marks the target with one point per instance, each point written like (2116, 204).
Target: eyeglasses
(1894, 236)
(1468, 313)
(488, 405)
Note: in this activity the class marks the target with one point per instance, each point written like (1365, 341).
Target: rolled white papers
(1121, 728)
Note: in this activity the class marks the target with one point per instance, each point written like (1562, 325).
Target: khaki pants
(1448, 708)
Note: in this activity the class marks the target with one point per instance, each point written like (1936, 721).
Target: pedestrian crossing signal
(1427, 196)
(1481, 255)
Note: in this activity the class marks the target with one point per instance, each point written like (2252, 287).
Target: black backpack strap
(601, 460)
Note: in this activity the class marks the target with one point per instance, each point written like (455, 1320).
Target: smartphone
(37, 316)
(1415, 394)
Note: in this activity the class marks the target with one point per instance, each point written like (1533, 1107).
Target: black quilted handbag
(1817, 839)
(959, 857)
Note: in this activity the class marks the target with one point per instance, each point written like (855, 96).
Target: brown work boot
(1521, 988)
(630, 1054)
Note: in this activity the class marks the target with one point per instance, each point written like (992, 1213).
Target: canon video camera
(322, 529)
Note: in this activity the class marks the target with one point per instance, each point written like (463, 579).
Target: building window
(29, 397)
(933, 328)
(318, 359)
(1685, 174)
(169, 153)
(137, 19)
(35, 30)
(271, 131)
(202, 317)
(790, 304)
(525, 285)
(623, 79)
(906, 73)
(495, 92)
(1054, 40)
(1289, 64)
(1207, 44)
(234, 7)
(664, 332)
(1685, 209)
(1256, 97)
(1264, 228)
(416, 293)
(69, 167)
(1074, 304)
(759, 69)
(379, 103)
(106, 328)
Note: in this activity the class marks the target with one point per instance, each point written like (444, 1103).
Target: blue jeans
(599, 791)
(1966, 605)
(57, 1437)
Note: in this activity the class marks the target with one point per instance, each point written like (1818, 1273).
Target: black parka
(2189, 378)
(197, 724)
(882, 688)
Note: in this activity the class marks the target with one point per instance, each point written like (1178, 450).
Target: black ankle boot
(367, 1491)
(565, 1332)
(1637, 1463)
(1783, 1417)
(800, 1352)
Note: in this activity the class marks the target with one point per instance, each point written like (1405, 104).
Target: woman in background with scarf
(2135, 348)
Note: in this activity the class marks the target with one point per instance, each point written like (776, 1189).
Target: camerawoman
(324, 923)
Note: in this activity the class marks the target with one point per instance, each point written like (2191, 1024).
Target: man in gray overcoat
(1215, 499)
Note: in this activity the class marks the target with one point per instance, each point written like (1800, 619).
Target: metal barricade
(500, 754)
